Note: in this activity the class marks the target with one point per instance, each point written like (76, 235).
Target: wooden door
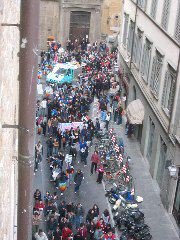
(79, 25)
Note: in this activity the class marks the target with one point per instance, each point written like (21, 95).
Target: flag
(116, 147)
(120, 158)
(124, 169)
(113, 139)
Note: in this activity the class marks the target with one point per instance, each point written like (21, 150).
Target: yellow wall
(111, 8)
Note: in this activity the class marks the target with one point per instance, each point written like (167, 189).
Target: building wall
(92, 6)
(111, 9)
(55, 12)
(166, 126)
(49, 21)
(9, 13)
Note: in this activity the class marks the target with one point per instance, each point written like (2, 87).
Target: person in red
(82, 231)
(101, 224)
(66, 233)
(95, 160)
(109, 236)
(39, 205)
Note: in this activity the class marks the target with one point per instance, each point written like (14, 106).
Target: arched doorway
(79, 25)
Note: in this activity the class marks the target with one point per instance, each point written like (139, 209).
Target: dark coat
(78, 178)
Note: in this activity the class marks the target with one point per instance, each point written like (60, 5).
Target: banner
(68, 126)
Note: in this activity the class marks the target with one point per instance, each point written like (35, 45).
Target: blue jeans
(55, 150)
(49, 151)
(76, 189)
(78, 221)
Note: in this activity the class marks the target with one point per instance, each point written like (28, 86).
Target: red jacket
(95, 158)
(106, 237)
(66, 233)
(83, 232)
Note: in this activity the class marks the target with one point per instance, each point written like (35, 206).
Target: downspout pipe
(28, 63)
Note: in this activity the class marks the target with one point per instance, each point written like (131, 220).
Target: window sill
(166, 111)
(145, 81)
(154, 94)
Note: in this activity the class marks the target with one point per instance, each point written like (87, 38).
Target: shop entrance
(79, 25)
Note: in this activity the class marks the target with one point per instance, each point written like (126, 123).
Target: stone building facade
(111, 17)
(9, 65)
(149, 53)
(65, 19)
(49, 21)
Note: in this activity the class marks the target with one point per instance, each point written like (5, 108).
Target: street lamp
(172, 170)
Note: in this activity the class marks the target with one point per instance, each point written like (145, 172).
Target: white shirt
(108, 118)
(42, 237)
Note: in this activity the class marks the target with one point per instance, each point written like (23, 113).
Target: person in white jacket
(41, 235)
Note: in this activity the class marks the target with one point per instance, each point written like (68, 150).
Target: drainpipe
(133, 35)
(176, 92)
(28, 62)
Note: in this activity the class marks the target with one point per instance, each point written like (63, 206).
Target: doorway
(79, 25)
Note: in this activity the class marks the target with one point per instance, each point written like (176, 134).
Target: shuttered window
(169, 90)
(177, 27)
(142, 4)
(125, 29)
(156, 73)
(153, 8)
(165, 14)
(146, 58)
(130, 36)
(137, 48)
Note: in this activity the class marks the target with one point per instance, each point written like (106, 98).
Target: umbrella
(135, 112)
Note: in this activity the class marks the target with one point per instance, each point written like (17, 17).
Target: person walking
(95, 160)
(78, 180)
(108, 117)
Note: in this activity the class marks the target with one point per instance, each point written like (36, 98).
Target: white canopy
(135, 112)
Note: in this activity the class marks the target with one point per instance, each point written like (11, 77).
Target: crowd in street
(68, 221)
(67, 104)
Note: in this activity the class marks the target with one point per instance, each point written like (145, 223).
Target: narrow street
(92, 193)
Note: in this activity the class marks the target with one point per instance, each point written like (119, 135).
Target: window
(137, 48)
(125, 29)
(130, 36)
(156, 73)
(142, 4)
(150, 139)
(169, 90)
(165, 14)
(146, 58)
(177, 27)
(153, 8)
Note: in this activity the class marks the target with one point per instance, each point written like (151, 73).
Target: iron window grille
(137, 48)
(156, 73)
(153, 8)
(165, 14)
(130, 36)
(142, 4)
(125, 29)
(177, 27)
(146, 58)
(169, 90)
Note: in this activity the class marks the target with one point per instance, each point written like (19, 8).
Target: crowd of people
(68, 221)
(67, 104)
